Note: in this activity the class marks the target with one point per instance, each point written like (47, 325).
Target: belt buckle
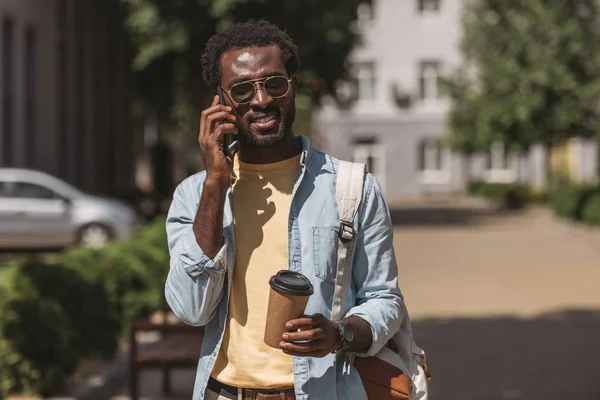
(255, 393)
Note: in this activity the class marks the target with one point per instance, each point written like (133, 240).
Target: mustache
(254, 114)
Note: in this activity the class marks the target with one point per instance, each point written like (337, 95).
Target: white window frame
(500, 170)
(432, 172)
(365, 15)
(361, 153)
(429, 77)
(366, 78)
(429, 6)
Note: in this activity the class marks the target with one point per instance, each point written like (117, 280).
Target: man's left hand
(317, 335)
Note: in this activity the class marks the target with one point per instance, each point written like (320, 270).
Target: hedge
(591, 210)
(56, 311)
(570, 199)
(508, 195)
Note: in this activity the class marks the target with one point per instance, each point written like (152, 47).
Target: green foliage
(539, 196)
(54, 312)
(39, 337)
(507, 195)
(591, 210)
(531, 74)
(570, 200)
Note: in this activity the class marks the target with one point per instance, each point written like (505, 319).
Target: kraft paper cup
(287, 300)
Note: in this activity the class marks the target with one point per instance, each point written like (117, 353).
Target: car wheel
(95, 236)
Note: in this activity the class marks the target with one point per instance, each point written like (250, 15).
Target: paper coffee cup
(287, 300)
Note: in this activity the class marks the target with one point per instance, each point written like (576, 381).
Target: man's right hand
(218, 166)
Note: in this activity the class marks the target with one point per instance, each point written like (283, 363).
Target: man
(269, 208)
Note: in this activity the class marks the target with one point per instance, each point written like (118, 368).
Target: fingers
(223, 129)
(207, 111)
(309, 349)
(218, 116)
(300, 323)
(215, 113)
(307, 335)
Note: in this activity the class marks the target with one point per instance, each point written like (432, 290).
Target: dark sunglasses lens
(276, 86)
(242, 92)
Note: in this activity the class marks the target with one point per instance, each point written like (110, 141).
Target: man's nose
(261, 99)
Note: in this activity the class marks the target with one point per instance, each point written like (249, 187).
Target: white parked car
(38, 210)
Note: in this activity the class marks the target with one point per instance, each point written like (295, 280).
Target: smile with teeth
(264, 119)
(265, 122)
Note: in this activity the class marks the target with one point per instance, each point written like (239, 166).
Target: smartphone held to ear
(230, 146)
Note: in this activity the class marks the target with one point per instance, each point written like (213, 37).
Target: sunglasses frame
(255, 83)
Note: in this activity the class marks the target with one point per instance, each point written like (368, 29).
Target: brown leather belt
(232, 392)
(277, 394)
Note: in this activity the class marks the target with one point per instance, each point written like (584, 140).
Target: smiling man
(272, 207)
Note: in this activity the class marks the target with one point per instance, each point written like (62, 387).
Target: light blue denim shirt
(197, 287)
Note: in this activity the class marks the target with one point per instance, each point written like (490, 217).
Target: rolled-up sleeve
(375, 271)
(194, 285)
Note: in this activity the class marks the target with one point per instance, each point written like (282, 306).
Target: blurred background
(479, 118)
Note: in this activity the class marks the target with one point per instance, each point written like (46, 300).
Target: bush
(41, 342)
(591, 210)
(570, 199)
(508, 195)
(55, 312)
(474, 187)
(540, 196)
(517, 196)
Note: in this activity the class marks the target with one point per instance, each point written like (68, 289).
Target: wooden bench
(179, 346)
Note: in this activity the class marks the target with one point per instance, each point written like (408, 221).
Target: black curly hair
(246, 34)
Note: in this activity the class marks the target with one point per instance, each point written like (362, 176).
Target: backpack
(399, 370)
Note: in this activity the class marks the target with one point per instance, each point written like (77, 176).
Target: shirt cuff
(379, 331)
(195, 262)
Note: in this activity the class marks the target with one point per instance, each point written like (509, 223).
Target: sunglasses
(275, 86)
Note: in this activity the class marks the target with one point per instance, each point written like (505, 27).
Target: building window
(7, 93)
(366, 82)
(364, 14)
(497, 158)
(499, 165)
(369, 152)
(4, 189)
(429, 77)
(433, 162)
(427, 6)
(430, 155)
(30, 97)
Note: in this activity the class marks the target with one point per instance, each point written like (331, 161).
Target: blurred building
(393, 116)
(65, 92)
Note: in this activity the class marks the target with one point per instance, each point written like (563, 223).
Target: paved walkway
(474, 262)
(505, 303)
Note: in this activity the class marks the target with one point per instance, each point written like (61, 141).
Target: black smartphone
(230, 146)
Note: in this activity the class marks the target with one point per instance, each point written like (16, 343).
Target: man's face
(263, 121)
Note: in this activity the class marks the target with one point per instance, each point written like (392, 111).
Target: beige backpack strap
(348, 193)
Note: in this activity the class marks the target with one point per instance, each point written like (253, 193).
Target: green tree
(531, 74)
(169, 37)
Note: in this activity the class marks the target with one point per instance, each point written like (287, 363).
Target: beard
(248, 139)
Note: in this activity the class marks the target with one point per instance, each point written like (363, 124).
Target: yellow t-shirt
(261, 196)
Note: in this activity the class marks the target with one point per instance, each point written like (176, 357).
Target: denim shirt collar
(308, 151)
